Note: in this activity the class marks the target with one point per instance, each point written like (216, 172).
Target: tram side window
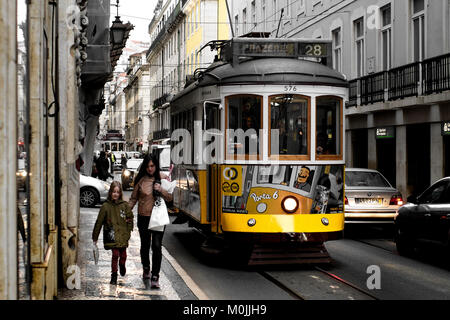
(244, 112)
(328, 126)
(289, 115)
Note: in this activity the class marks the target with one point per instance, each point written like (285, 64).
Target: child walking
(116, 218)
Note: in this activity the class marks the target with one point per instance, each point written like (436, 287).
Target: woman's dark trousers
(153, 239)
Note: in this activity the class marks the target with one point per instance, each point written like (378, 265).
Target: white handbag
(160, 216)
(169, 186)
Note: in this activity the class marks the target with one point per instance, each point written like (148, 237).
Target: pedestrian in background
(103, 167)
(112, 159)
(147, 185)
(123, 161)
(116, 219)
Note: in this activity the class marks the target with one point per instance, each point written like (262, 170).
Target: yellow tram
(258, 148)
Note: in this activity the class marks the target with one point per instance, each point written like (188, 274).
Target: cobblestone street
(95, 278)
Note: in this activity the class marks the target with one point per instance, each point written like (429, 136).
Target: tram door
(212, 121)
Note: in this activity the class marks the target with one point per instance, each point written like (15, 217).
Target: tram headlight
(290, 204)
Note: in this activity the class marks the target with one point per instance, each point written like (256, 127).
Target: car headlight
(290, 204)
(21, 173)
(127, 173)
(106, 186)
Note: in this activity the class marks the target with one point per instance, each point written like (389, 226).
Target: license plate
(369, 201)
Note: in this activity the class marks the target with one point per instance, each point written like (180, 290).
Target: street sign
(385, 133)
(445, 128)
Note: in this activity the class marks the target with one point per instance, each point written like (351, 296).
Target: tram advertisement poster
(262, 189)
(232, 180)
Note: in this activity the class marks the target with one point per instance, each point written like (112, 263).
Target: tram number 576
(290, 89)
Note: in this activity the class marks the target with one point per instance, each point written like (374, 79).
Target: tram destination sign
(289, 48)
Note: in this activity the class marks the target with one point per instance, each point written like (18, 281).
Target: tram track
(296, 293)
(282, 286)
(347, 283)
(344, 285)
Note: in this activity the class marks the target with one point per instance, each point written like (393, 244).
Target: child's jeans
(116, 254)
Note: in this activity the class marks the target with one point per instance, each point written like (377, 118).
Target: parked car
(163, 152)
(133, 155)
(130, 172)
(425, 219)
(92, 191)
(369, 197)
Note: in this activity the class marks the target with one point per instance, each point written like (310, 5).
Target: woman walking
(116, 218)
(147, 186)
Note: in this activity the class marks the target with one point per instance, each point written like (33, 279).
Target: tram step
(313, 254)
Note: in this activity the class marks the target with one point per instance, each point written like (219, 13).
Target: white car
(92, 191)
(370, 198)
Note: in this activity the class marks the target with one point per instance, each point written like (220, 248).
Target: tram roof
(268, 71)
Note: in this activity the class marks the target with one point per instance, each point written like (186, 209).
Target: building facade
(137, 103)
(179, 31)
(54, 67)
(396, 55)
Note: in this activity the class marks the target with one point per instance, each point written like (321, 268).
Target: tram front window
(329, 126)
(289, 115)
(244, 119)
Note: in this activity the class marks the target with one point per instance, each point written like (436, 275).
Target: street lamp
(118, 29)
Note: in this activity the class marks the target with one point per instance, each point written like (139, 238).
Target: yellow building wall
(224, 25)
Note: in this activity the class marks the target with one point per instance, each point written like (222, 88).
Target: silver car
(369, 197)
(92, 191)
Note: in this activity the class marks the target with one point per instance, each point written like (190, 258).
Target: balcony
(436, 74)
(161, 101)
(421, 78)
(175, 18)
(169, 26)
(162, 134)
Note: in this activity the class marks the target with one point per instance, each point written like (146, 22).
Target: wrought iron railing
(161, 100)
(419, 78)
(175, 18)
(404, 81)
(373, 87)
(353, 93)
(436, 74)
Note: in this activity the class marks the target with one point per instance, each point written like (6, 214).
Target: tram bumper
(289, 224)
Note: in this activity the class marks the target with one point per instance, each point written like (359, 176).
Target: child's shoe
(154, 282)
(123, 270)
(113, 278)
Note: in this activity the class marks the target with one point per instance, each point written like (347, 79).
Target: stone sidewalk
(95, 278)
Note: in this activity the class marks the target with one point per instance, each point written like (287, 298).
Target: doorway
(418, 157)
(360, 148)
(386, 159)
(446, 156)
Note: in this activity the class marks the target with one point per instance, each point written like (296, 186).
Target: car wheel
(89, 197)
(405, 245)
